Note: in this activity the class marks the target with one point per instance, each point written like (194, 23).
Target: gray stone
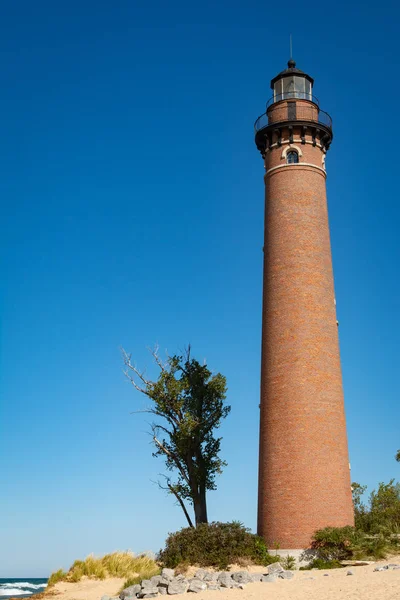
(326, 574)
(180, 577)
(146, 583)
(349, 573)
(242, 577)
(148, 589)
(163, 583)
(130, 591)
(200, 574)
(257, 576)
(162, 590)
(213, 585)
(156, 579)
(197, 585)
(168, 574)
(270, 578)
(108, 597)
(275, 568)
(150, 595)
(211, 576)
(286, 575)
(225, 580)
(379, 569)
(394, 566)
(242, 586)
(178, 586)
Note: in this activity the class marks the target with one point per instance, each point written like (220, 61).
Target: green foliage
(397, 457)
(189, 400)
(382, 513)
(215, 545)
(56, 577)
(319, 563)
(288, 563)
(335, 543)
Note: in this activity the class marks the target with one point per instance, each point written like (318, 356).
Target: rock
(108, 597)
(394, 566)
(146, 583)
(178, 586)
(156, 579)
(225, 580)
(163, 583)
(349, 573)
(197, 585)
(275, 568)
(128, 592)
(242, 586)
(270, 578)
(379, 569)
(148, 589)
(210, 576)
(256, 576)
(150, 595)
(242, 577)
(168, 574)
(200, 574)
(180, 577)
(326, 574)
(162, 590)
(213, 585)
(286, 575)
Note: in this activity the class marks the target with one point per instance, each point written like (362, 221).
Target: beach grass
(117, 564)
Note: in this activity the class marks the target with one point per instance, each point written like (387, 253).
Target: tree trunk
(200, 507)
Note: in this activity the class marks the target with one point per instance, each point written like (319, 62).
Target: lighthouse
(304, 476)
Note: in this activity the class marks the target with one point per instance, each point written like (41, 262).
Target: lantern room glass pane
(278, 90)
(299, 83)
(294, 87)
(289, 88)
(308, 89)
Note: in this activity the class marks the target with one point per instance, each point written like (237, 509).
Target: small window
(292, 157)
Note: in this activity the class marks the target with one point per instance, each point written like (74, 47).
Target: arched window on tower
(292, 157)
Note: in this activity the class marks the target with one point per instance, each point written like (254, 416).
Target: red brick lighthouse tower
(304, 478)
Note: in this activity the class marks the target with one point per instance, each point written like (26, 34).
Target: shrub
(56, 577)
(214, 545)
(288, 563)
(335, 543)
(319, 563)
(343, 543)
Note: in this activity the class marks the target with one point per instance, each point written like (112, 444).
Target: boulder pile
(171, 584)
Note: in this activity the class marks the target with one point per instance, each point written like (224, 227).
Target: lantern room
(292, 83)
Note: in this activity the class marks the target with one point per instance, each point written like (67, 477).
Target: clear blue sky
(132, 213)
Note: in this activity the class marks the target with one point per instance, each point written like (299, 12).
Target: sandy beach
(334, 584)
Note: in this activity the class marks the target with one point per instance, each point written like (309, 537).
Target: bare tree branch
(172, 456)
(171, 490)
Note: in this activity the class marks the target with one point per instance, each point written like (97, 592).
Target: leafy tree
(398, 456)
(385, 508)
(360, 509)
(188, 401)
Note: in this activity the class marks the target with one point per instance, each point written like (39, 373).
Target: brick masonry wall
(304, 478)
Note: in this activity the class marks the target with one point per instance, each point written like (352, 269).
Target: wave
(22, 584)
(14, 592)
